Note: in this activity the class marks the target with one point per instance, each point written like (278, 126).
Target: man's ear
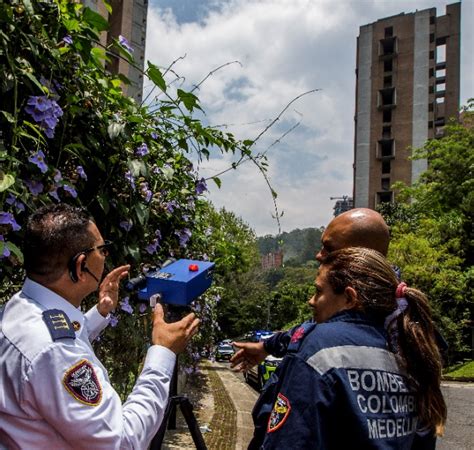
(351, 297)
(80, 264)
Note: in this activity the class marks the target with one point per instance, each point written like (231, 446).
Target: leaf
(142, 213)
(217, 181)
(6, 181)
(248, 142)
(168, 173)
(114, 129)
(28, 7)
(15, 250)
(155, 75)
(99, 54)
(189, 100)
(137, 167)
(274, 194)
(71, 24)
(107, 6)
(95, 20)
(33, 79)
(104, 203)
(8, 116)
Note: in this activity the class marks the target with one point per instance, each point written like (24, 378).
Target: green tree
(432, 231)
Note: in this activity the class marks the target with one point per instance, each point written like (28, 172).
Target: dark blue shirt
(337, 387)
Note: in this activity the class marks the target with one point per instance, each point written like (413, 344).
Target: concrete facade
(407, 89)
(128, 19)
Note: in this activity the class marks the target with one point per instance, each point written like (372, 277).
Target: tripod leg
(187, 410)
(157, 441)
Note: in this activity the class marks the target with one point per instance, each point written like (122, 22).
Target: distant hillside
(299, 246)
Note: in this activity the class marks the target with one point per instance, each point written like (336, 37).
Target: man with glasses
(54, 392)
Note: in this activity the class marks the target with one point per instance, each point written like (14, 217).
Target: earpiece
(72, 267)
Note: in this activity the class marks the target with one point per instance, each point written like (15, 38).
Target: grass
(462, 372)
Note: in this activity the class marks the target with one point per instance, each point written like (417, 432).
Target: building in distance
(407, 88)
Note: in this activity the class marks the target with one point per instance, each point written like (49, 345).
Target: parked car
(224, 352)
(260, 374)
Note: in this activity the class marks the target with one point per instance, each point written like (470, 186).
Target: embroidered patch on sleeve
(82, 383)
(297, 335)
(280, 412)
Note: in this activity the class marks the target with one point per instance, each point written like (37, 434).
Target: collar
(50, 300)
(355, 316)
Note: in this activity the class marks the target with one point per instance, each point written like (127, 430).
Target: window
(387, 116)
(387, 81)
(432, 20)
(385, 148)
(388, 46)
(432, 37)
(386, 132)
(440, 73)
(386, 97)
(385, 184)
(431, 72)
(430, 107)
(384, 197)
(387, 66)
(441, 53)
(432, 54)
(388, 32)
(386, 166)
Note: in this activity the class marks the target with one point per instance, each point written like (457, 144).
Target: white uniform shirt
(56, 394)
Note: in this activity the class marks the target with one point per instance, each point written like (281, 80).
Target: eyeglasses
(103, 248)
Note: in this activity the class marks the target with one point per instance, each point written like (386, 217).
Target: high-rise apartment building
(407, 88)
(128, 19)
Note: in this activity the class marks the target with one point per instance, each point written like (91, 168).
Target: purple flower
(201, 186)
(44, 111)
(125, 306)
(57, 176)
(147, 194)
(38, 160)
(35, 187)
(142, 150)
(154, 135)
(124, 43)
(6, 251)
(81, 173)
(12, 200)
(113, 321)
(7, 218)
(130, 178)
(171, 206)
(126, 225)
(67, 39)
(184, 235)
(186, 218)
(54, 193)
(217, 298)
(153, 247)
(70, 190)
(142, 308)
(158, 234)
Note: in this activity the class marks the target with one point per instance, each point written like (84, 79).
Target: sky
(283, 49)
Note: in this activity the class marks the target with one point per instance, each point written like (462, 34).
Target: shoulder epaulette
(58, 324)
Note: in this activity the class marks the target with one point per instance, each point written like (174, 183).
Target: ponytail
(419, 352)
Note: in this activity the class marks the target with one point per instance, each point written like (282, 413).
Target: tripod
(173, 314)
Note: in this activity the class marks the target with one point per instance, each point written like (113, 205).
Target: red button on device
(193, 267)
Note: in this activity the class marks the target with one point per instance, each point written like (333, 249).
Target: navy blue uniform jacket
(338, 387)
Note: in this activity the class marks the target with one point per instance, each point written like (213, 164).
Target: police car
(260, 374)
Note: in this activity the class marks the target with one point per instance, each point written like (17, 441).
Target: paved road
(459, 398)
(460, 426)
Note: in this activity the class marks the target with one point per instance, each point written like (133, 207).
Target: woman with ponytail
(366, 373)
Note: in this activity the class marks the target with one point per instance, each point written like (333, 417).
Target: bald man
(359, 227)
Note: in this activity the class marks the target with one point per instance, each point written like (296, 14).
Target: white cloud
(285, 48)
